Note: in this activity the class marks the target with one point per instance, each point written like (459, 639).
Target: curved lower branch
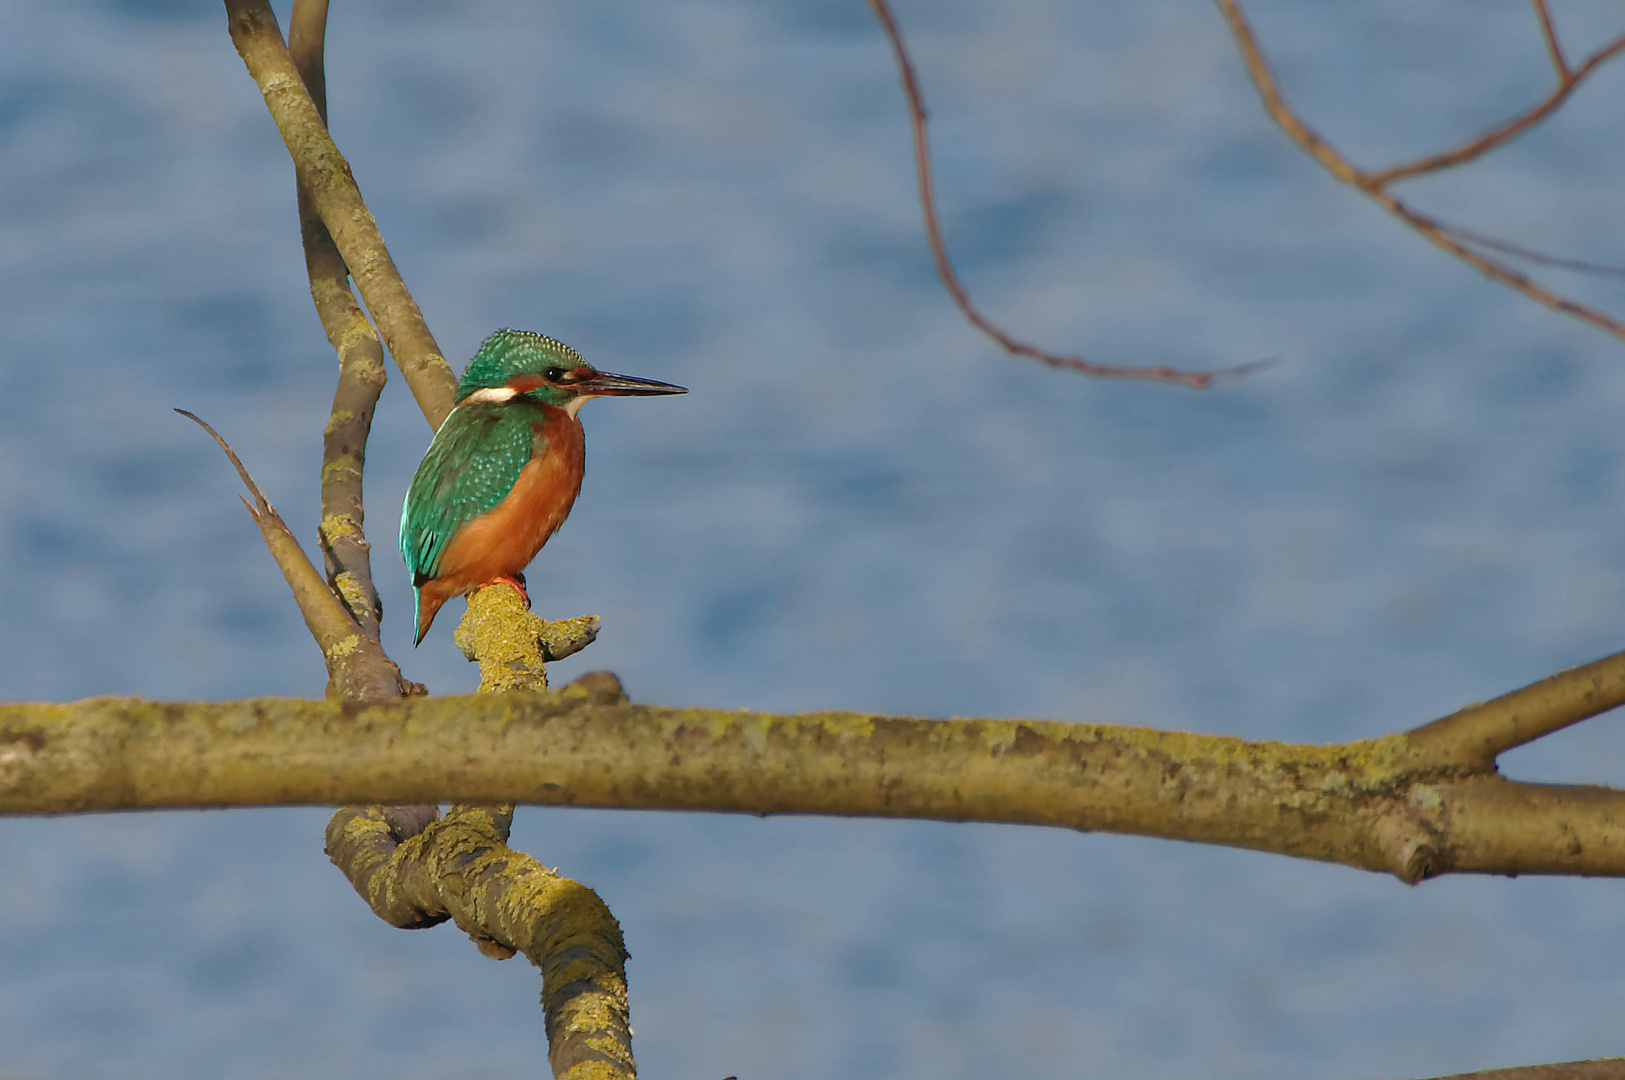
(1386, 804)
(461, 868)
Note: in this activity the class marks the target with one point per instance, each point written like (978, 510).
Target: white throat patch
(573, 406)
(490, 395)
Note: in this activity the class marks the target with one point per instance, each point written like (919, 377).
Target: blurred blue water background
(861, 505)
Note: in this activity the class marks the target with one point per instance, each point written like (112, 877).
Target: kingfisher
(504, 468)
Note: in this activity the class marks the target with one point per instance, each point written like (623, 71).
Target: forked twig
(1374, 185)
(1554, 47)
(1568, 81)
(1199, 380)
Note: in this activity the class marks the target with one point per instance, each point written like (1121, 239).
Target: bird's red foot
(517, 581)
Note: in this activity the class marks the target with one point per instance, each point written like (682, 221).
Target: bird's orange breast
(505, 539)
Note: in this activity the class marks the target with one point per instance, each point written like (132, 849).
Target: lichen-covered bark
(511, 644)
(1382, 804)
(461, 868)
(421, 872)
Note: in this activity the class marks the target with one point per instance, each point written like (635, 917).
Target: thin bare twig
(1372, 184)
(357, 668)
(1568, 82)
(1554, 47)
(1199, 380)
(1575, 266)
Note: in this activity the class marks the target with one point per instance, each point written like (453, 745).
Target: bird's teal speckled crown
(507, 353)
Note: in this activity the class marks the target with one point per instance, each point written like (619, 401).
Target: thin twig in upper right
(1199, 380)
(1375, 185)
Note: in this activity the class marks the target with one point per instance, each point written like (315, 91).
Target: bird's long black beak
(608, 384)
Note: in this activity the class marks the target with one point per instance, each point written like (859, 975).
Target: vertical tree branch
(1554, 47)
(326, 175)
(361, 362)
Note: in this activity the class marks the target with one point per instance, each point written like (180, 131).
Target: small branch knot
(1410, 840)
(599, 688)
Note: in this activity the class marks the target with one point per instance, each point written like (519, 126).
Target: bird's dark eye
(553, 374)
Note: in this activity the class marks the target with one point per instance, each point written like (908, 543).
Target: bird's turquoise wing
(469, 468)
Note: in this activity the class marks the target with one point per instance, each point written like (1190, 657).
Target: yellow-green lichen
(504, 638)
(323, 289)
(359, 330)
(342, 463)
(335, 526)
(351, 591)
(595, 1070)
(1425, 797)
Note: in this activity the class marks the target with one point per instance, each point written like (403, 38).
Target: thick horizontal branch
(1384, 804)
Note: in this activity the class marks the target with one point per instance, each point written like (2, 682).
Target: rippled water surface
(862, 504)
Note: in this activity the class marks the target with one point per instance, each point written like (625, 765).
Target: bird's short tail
(424, 609)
